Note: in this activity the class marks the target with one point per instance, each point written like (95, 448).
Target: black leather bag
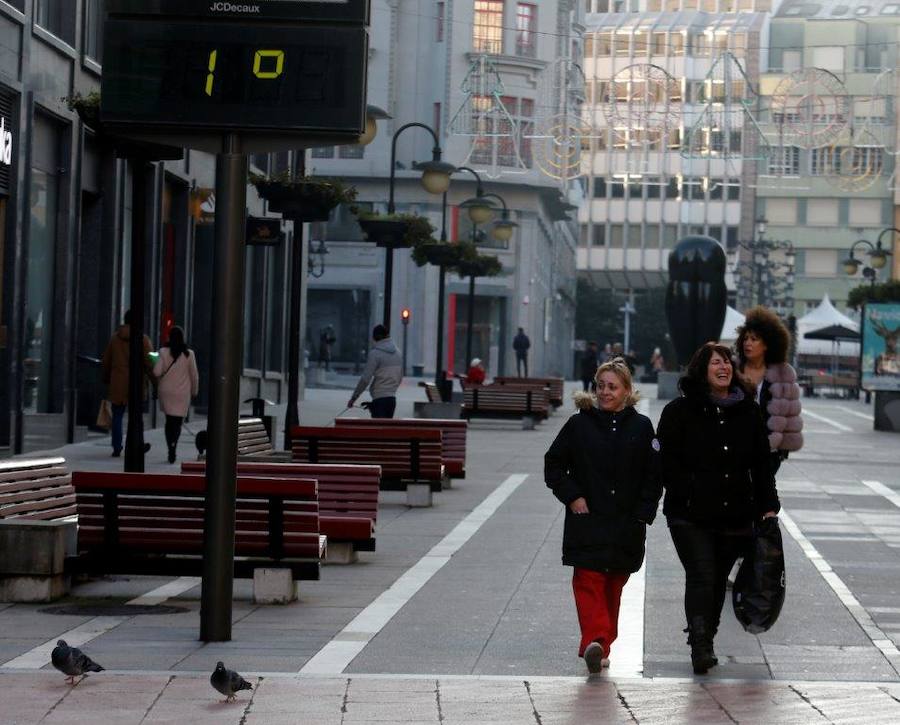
(759, 588)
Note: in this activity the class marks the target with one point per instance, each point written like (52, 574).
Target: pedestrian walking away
(521, 345)
(384, 369)
(327, 338)
(178, 382)
(761, 361)
(115, 375)
(604, 467)
(589, 363)
(718, 484)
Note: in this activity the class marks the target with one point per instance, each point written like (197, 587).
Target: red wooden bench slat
(168, 483)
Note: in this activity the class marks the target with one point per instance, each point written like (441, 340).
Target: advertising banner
(880, 364)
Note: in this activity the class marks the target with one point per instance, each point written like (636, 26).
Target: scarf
(735, 396)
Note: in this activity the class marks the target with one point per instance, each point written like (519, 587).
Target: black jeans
(521, 362)
(707, 556)
(383, 407)
(173, 430)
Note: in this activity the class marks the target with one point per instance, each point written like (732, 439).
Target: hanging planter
(302, 198)
(395, 231)
(473, 264)
(441, 254)
(88, 110)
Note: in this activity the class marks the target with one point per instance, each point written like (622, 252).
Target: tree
(885, 292)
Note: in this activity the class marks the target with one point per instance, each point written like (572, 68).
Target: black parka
(612, 460)
(716, 468)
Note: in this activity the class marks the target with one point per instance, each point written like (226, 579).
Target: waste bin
(418, 371)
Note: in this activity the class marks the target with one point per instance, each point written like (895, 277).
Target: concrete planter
(32, 559)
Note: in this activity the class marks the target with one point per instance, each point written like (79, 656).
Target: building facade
(473, 71)
(66, 211)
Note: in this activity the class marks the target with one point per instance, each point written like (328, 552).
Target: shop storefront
(8, 139)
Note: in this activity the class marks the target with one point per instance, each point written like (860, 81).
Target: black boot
(171, 453)
(700, 640)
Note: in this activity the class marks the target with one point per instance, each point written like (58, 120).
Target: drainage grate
(112, 610)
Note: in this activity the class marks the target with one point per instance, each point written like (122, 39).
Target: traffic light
(405, 314)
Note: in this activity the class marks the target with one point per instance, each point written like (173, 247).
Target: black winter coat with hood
(612, 460)
(715, 462)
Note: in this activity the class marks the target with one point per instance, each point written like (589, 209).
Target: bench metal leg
(418, 495)
(273, 586)
(527, 422)
(340, 552)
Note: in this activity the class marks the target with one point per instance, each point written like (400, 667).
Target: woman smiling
(718, 483)
(604, 468)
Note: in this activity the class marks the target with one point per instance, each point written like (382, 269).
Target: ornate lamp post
(435, 180)
(877, 256)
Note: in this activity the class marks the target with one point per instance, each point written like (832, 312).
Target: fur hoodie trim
(784, 408)
(584, 401)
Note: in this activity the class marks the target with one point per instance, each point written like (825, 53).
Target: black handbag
(759, 587)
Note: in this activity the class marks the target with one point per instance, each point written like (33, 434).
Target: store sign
(263, 232)
(6, 143)
(880, 358)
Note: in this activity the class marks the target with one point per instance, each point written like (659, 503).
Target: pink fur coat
(785, 423)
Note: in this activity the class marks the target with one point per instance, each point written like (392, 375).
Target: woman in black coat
(604, 467)
(718, 481)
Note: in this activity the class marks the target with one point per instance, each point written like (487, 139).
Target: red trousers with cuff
(597, 598)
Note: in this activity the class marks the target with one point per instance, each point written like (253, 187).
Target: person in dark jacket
(761, 350)
(715, 458)
(604, 467)
(521, 344)
(589, 363)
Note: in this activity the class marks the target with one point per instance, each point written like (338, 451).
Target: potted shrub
(88, 110)
(473, 264)
(302, 198)
(442, 254)
(395, 230)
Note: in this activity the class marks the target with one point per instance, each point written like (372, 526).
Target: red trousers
(597, 598)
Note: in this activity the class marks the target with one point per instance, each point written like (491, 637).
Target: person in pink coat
(177, 382)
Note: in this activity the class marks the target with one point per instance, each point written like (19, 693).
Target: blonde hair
(620, 369)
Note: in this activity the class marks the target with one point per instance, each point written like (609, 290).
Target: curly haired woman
(762, 346)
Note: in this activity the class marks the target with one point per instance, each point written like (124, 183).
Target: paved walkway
(465, 615)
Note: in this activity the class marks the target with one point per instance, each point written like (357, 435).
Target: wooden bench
(348, 500)
(37, 528)
(848, 383)
(410, 458)
(146, 523)
(453, 436)
(38, 489)
(431, 392)
(507, 401)
(253, 438)
(554, 384)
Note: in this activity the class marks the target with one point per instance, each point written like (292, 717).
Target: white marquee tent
(824, 315)
(733, 320)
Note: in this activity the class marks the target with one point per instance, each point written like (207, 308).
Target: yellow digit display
(278, 55)
(210, 77)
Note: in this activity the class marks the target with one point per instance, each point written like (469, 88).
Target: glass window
(275, 305)
(526, 30)
(734, 189)
(583, 235)
(439, 22)
(616, 235)
(39, 297)
(731, 237)
(352, 151)
(672, 189)
(635, 189)
(254, 279)
(670, 235)
(715, 188)
(322, 152)
(604, 44)
(599, 235)
(599, 188)
(57, 17)
(618, 189)
(488, 26)
(785, 161)
(659, 44)
(653, 187)
(634, 236)
(640, 43)
(93, 29)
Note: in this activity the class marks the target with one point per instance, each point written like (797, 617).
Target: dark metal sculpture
(696, 297)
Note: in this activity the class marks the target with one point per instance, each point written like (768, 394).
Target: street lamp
(435, 180)
(877, 256)
(761, 279)
(373, 114)
(504, 227)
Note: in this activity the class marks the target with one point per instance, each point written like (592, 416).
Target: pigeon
(228, 682)
(72, 662)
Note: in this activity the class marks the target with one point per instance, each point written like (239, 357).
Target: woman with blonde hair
(604, 468)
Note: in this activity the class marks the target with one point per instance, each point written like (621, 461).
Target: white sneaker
(593, 657)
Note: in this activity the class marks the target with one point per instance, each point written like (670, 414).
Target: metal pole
(292, 416)
(134, 441)
(388, 285)
(471, 322)
(405, 331)
(439, 375)
(224, 394)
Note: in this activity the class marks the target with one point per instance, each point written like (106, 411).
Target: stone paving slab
(130, 698)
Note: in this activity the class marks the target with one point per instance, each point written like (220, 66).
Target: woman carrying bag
(718, 481)
(604, 468)
(177, 383)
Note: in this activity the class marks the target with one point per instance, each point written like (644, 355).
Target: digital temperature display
(228, 75)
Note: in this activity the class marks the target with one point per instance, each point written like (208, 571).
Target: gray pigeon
(72, 662)
(228, 682)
